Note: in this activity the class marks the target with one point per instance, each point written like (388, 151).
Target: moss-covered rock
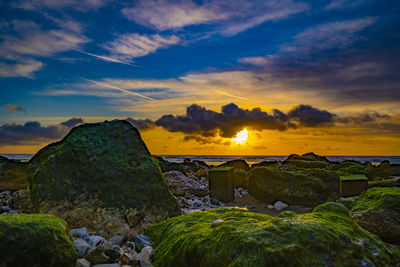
(13, 174)
(235, 237)
(239, 164)
(104, 162)
(301, 187)
(167, 166)
(393, 182)
(378, 211)
(308, 160)
(35, 240)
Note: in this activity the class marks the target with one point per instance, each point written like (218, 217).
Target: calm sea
(215, 160)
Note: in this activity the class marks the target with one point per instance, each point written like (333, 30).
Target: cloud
(332, 35)
(38, 5)
(227, 17)
(105, 58)
(205, 140)
(133, 45)
(341, 4)
(33, 132)
(14, 108)
(207, 123)
(23, 69)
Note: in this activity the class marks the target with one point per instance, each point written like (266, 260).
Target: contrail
(107, 58)
(116, 88)
(228, 94)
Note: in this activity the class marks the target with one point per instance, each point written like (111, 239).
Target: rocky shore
(113, 204)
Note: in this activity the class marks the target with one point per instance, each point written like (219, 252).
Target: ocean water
(215, 160)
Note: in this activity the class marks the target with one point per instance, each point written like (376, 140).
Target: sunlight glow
(241, 137)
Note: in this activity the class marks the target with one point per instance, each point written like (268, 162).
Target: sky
(298, 76)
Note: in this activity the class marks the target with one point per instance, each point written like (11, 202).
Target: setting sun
(241, 137)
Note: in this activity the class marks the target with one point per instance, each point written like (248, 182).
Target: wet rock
(82, 247)
(97, 255)
(112, 254)
(142, 241)
(96, 240)
(279, 205)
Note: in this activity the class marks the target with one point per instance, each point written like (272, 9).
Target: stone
(82, 263)
(130, 259)
(144, 256)
(221, 184)
(327, 236)
(95, 174)
(112, 254)
(82, 247)
(13, 174)
(96, 240)
(80, 232)
(270, 207)
(219, 221)
(107, 265)
(35, 240)
(353, 185)
(279, 205)
(238, 164)
(378, 211)
(97, 255)
(142, 241)
(20, 200)
(117, 240)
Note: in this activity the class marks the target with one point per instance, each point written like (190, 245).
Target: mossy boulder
(308, 160)
(393, 182)
(306, 187)
(13, 174)
(239, 164)
(107, 163)
(234, 237)
(167, 166)
(35, 240)
(378, 211)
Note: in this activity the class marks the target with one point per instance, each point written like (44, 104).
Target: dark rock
(35, 240)
(91, 169)
(117, 239)
(239, 164)
(13, 174)
(97, 255)
(221, 184)
(113, 255)
(20, 200)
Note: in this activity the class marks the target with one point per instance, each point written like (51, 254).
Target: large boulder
(235, 237)
(100, 171)
(378, 211)
(308, 160)
(306, 187)
(239, 164)
(35, 240)
(13, 174)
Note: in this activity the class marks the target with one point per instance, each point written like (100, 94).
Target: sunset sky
(299, 76)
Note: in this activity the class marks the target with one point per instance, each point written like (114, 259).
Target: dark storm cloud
(363, 117)
(200, 121)
(34, 133)
(14, 108)
(141, 124)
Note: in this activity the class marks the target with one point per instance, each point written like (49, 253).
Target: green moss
(107, 161)
(35, 240)
(378, 211)
(325, 237)
(354, 177)
(294, 186)
(13, 174)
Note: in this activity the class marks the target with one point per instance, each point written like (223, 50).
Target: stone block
(221, 184)
(353, 185)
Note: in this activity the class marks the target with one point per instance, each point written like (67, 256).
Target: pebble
(107, 265)
(279, 205)
(82, 246)
(270, 207)
(82, 263)
(117, 239)
(218, 221)
(142, 241)
(96, 255)
(96, 240)
(144, 256)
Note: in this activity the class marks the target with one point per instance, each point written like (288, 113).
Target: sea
(216, 160)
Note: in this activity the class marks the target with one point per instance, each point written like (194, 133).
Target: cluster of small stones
(94, 250)
(5, 208)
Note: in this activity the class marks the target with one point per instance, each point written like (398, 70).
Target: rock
(325, 237)
(142, 241)
(181, 184)
(144, 256)
(130, 259)
(270, 207)
(221, 184)
(378, 211)
(20, 200)
(82, 247)
(117, 239)
(82, 263)
(217, 222)
(279, 205)
(306, 187)
(167, 166)
(202, 172)
(80, 232)
(393, 182)
(13, 174)
(97, 173)
(112, 254)
(238, 164)
(96, 240)
(308, 160)
(97, 255)
(35, 240)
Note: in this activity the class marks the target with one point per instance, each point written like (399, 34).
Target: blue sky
(101, 59)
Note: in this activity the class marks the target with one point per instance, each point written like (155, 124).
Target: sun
(241, 137)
